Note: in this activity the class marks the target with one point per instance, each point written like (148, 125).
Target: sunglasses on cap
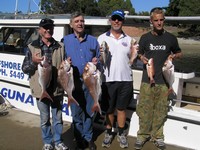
(114, 18)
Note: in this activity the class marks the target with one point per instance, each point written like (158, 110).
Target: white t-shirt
(118, 69)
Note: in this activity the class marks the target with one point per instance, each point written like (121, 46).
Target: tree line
(105, 7)
(87, 7)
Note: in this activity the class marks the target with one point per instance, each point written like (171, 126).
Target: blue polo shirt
(81, 52)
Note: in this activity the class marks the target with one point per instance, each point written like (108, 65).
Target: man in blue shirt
(80, 49)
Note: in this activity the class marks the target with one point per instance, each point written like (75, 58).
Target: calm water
(191, 59)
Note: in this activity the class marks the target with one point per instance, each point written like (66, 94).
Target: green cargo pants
(152, 110)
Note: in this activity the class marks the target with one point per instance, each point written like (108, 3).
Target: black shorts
(116, 95)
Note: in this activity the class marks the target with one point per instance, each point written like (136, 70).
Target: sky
(8, 6)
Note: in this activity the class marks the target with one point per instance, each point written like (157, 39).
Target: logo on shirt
(157, 47)
(124, 44)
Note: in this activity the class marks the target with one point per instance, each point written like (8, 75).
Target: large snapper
(105, 53)
(66, 79)
(45, 76)
(168, 73)
(133, 50)
(151, 71)
(92, 79)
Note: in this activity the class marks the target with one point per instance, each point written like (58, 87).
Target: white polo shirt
(119, 68)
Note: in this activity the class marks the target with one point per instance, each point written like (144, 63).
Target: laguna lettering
(18, 96)
(26, 98)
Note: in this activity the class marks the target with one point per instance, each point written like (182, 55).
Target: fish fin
(170, 90)
(72, 100)
(96, 107)
(45, 94)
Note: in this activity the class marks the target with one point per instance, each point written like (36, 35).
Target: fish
(105, 53)
(5, 105)
(151, 71)
(66, 79)
(92, 80)
(45, 76)
(168, 73)
(133, 50)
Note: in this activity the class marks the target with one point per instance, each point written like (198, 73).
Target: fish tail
(72, 100)
(45, 94)
(96, 107)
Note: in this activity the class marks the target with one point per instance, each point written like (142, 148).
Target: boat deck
(20, 131)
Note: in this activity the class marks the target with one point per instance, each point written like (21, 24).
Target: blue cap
(118, 13)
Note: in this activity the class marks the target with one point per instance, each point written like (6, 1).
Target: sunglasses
(50, 27)
(114, 18)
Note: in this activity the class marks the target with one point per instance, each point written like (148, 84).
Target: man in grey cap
(47, 46)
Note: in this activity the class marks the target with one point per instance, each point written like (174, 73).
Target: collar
(39, 43)
(109, 33)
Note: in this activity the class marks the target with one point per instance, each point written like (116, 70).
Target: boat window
(15, 40)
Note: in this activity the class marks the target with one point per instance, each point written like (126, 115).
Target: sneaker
(122, 139)
(107, 140)
(159, 143)
(47, 147)
(61, 146)
(139, 144)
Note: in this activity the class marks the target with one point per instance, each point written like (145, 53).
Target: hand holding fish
(175, 56)
(151, 71)
(36, 58)
(133, 50)
(94, 60)
(69, 60)
(143, 59)
(168, 73)
(92, 79)
(45, 76)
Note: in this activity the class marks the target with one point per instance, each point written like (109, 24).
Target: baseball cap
(119, 13)
(46, 22)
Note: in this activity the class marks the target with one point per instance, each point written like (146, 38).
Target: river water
(190, 62)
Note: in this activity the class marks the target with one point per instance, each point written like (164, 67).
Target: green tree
(173, 9)
(183, 8)
(189, 8)
(71, 6)
(89, 7)
(128, 7)
(53, 6)
(107, 6)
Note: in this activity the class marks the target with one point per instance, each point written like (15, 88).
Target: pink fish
(133, 50)
(91, 78)
(45, 75)
(66, 79)
(151, 71)
(168, 73)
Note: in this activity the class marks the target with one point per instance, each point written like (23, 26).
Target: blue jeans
(56, 109)
(82, 114)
